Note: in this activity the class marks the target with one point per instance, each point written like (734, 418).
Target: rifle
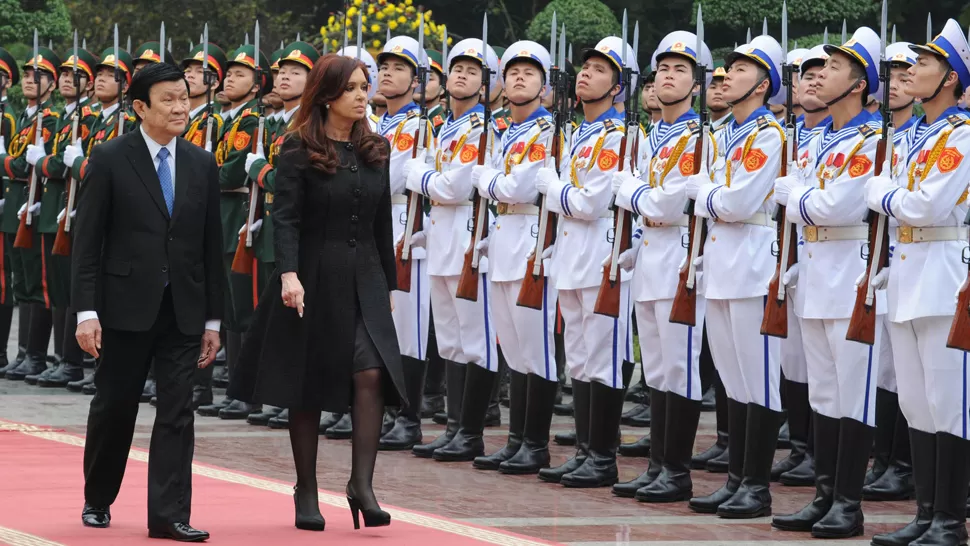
(62, 241)
(684, 309)
(208, 78)
(533, 284)
(608, 298)
(862, 324)
(775, 321)
(119, 79)
(468, 281)
(242, 261)
(415, 218)
(25, 234)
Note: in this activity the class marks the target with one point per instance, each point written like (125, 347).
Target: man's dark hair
(142, 83)
(857, 72)
(763, 75)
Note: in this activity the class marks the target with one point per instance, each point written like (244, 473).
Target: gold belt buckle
(435, 204)
(810, 234)
(904, 234)
(502, 209)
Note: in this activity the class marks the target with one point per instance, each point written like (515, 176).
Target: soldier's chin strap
(474, 95)
(718, 110)
(533, 99)
(847, 91)
(745, 96)
(905, 106)
(815, 110)
(399, 95)
(939, 87)
(689, 95)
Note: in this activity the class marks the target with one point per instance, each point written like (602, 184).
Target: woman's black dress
(335, 232)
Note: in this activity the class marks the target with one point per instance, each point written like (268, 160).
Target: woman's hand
(391, 295)
(292, 292)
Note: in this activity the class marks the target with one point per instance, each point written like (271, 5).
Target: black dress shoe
(638, 416)
(238, 410)
(78, 386)
(639, 448)
(30, 366)
(64, 374)
(261, 419)
(440, 418)
(212, 410)
(90, 389)
(343, 430)
(34, 378)
(281, 421)
(565, 438)
(328, 419)
(179, 532)
(95, 517)
(563, 409)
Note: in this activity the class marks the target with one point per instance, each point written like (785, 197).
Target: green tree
(20, 18)
(587, 22)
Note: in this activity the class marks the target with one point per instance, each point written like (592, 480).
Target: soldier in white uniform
(594, 344)
(826, 203)
(399, 125)
(928, 201)
(671, 364)
(526, 334)
(463, 328)
(738, 265)
(891, 475)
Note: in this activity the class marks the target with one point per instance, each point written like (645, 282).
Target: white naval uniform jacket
(659, 199)
(400, 130)
(581, 197)
(449, 185)
(924, 277)
(833, 195)
(511, 180)
(737, 256)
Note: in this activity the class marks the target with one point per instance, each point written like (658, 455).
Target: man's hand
(210, 346)
(71, 153)
(35, 153)
(88, 336)
(252, 158)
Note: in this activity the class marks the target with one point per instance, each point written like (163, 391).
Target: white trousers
(596, 345)
(463, 328)
(527, 335)
(841, 373)
(792, 350)
(932, 378)
(670, 352)
(412, 313)
(748, 362)
(887, 369)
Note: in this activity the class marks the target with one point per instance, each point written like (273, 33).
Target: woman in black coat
(329, 341)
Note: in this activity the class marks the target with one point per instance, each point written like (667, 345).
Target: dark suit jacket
(126, 247)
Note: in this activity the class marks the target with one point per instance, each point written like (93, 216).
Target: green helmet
(217, 59)
(244, 55)
(151, 52)
(124, 62)
(86, 61)
(435, 60)
(301, 53)
(46, 60)
(9, 65)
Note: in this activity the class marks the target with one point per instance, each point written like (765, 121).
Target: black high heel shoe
(373, 517)
(308, 517)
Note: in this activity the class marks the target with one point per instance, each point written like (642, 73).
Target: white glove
(418, 240)
(698, 262)
(694, 183)
(252, 158)
(482, 247)
(71, 153)
(35, 153)
(626, 260)
(544, 177)
(254, 228)
(876, 188)
(791, 276)
(878, 282)
(60, 215)
(2, 201)
(783, 187)
(477, 175)
(3, 145)
(415, 164)
(547, 253)
(34, 210)
(620, 178)
(242, 229)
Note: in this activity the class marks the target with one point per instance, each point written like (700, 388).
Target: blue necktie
(165, 178)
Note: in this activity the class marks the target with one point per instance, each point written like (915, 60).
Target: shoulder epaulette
(438, 120)
(86, 111)
(375, 119)
(763, 122)
(610, 126)
(867, 131)
(543, 124)
(956, 120)
(411, 114)
(694, 127)
(500, 123)
(475, 120)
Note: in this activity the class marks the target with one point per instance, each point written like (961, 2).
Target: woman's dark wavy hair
(326, 83)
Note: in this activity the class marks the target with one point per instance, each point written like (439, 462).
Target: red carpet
(41, 494)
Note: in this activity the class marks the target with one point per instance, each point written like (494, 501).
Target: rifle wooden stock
(533, 286)
(608, 298)
(468, 281)
(62, 241)
(775, 321)
(959, 337)
(416, 221)
(25, 232)
(684, 309)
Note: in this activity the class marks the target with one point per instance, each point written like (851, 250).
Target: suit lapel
(143, 163)
(183, 175)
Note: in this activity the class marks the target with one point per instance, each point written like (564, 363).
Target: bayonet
(128, 47)
(161, 43)
(119, 79)
(764, 27)
(844, 35)
(825, 36)
(169, 45)
(570, 55)
(747, 37)
(208, 78)
(929, 27)
(894, 34)
(254, 190)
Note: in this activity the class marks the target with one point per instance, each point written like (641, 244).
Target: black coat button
(352, 243)
(349, 146)
(357, 192)
(354, 218)
(353, 168)
(164, 269)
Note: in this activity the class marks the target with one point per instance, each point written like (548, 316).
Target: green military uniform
(436, 113)
(150, 52)
(196, 129)
(8, 129)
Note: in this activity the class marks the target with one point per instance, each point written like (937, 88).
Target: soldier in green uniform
(294, 65)
(148, 53)
(240, 123)
(111, 121)
(9, 76)
(500, 113)
(434, 91)
(57, 267)
(199, 93)
(28, 263)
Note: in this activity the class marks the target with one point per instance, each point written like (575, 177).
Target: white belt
(758, 219)
(524, 209)
(682, 222)
(909, 234)
(243, 189)
(815, 234)
(399, 199)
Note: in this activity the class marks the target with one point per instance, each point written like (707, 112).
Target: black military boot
(581, 400)
(655, 445)
(826, 431)
(803, 475)
(327, 420)
(638, 416)
(65, 373)
(949, 526)
(34, 379)
(212, 410)
(599, 468)
(924, 476)
(887, 408)
(799, 417)
(637, 448)
(434, 386)
(700, 460)
(896, 482)
(717, 462)
(261, 419)
(845, 518)
(406, 431)
(753, 499)
(57, 325)
(81, 384)
(468, 442)
(518, 406)
(41, 320)
(737, 425)
(533, 455)
(493, 414)
(455, 378)
(565, 438)
(70, 368)
(674, 483)
(341, 430)
(23, 329)
(281, 421)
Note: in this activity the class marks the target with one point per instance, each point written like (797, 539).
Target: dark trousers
(120, 377)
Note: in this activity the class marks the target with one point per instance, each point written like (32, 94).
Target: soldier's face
(925, 76)
(808, 89)
(291, 81)
(240, 82)
(139, 65)
(433, 88)
(523, 82)
(897, 87)
(596, 79)
(105, 86)
(395, 77)
(715, 95)
(194, 75)
(65, 83)
(30, 88)
(465, 78)
(741, 76)
(835, 77)
(675, 78)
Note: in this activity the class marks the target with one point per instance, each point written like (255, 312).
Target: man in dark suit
(147, 284)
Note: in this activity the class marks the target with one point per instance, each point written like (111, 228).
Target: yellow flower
(350, 33)
(358, 2)
(427, 16)
(371, 9)
(392, 25)
(450, 40)
(376, 44)
(408, 2)
(375, 28)
(409, 9)
(331, 20)
(363, 18)
(351, 11)
(402, 19)
(333, 43)
(380, 16)
(414, 25)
